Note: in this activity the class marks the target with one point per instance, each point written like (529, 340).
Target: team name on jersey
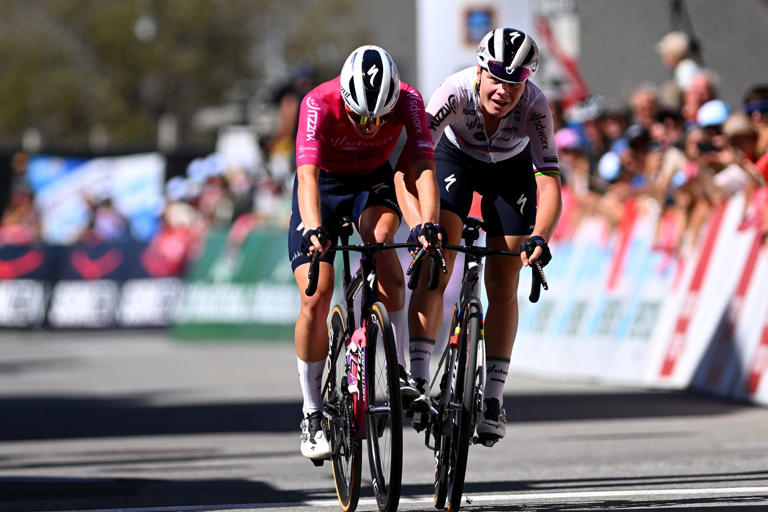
(313, 110)
(541, 130)
(415, 111)
(346, 142)
(443, 112)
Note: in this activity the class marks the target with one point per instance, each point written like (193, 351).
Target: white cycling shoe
(492, 427)
(314, 445)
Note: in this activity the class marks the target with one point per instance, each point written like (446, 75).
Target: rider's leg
(502, 277)
(379, 224)
(311, 334)
(425, 314)
(311, 342)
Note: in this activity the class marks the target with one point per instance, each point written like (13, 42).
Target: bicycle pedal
(485, 440)
(420, 420)
(317, 462)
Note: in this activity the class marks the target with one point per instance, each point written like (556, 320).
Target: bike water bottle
(353, 360)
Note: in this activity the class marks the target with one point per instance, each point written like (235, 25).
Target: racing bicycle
(361, 389)
(455, 411)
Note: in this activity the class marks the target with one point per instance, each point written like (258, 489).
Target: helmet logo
(513, 36)
(372, 71)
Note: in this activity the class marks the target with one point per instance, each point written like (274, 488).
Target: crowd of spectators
(675, 146)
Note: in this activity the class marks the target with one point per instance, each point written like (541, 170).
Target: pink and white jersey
(453, 109)
(328, 140)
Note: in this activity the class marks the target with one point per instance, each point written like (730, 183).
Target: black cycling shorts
(508, 189)
(342, 195)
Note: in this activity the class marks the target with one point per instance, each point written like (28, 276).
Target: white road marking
(474, 499)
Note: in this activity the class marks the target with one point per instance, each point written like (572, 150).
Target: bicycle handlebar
(538, 280)
(314, 262)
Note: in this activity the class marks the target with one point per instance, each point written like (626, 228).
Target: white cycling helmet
(508, 54)
(370, 82)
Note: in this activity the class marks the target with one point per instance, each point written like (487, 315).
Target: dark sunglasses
(503, 73)
(756, 106)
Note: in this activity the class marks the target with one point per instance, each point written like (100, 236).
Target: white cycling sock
(496, 372)
(421, 354)
(310, 378)
(397, 319)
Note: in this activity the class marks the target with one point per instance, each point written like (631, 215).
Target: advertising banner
(86, 285)
(237, 291)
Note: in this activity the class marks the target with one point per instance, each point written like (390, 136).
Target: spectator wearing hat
(675, 52)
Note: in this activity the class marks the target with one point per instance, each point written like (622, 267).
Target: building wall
(618, 41)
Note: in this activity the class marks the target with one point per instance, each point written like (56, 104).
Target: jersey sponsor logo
(467, 111)
(550, 159)
(346, 143)
(415, 110)
(450, 180)
(313, 110)
(377, 188)
(521, 201)
(541, 130)
(443, 112)
(473, 123)
(479, 136)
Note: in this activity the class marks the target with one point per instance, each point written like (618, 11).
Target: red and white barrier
(619, 309)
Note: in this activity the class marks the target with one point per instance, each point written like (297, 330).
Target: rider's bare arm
(550, 205)
(309, 197)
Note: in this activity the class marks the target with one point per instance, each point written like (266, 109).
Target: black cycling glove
(306, 239)
(428, 230)
(530, 244)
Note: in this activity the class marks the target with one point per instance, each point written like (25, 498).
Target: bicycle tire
(384, 418)
(443, 440)
(469, 375)
(346, 451)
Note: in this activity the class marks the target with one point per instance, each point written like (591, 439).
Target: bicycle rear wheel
(384, 420)
(346, 451)
(467, 376)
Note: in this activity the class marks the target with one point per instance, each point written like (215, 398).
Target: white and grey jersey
(453, 110)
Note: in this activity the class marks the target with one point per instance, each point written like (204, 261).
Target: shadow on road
(38, 494)
(67, 417)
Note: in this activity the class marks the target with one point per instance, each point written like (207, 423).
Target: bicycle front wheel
(346, 451)
(467, 378)
(444, 428)
(384, 420)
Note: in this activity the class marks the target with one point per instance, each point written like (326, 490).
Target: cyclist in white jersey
(493, 134)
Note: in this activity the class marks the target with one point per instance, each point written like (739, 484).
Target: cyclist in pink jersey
(494, 134)
(348, 130)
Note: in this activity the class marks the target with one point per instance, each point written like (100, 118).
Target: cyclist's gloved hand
(530, 245)
(429, 231)
(322, 236)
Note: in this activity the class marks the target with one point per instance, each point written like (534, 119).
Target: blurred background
(146, 156)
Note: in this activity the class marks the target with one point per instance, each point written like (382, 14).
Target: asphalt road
(137, 422)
